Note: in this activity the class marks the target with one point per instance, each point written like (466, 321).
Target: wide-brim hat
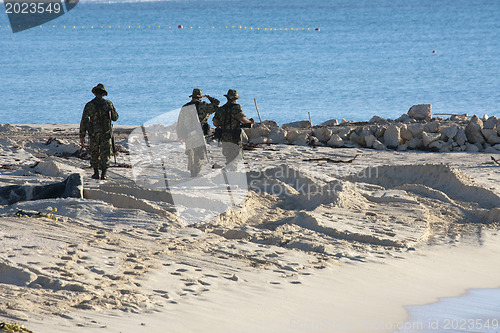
(232, 94)
(196, 93)
(100, 87)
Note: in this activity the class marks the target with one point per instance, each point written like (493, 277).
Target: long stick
(258, 113)
(309, 114)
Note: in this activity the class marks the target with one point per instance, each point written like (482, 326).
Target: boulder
(379, 131)
(415, 143)
(429, 138)
(322, 133)
(404, 118)
(379, 145)
(335, 141)
(420, 112)
(471, 148)
(461, 137)
(403, 147)
(370, 140)
(473, 132)
(432, 127)
(392, 137)
(405, 133)
(459, 117)
(376, 120)
(314, 141)
(450, 131)
(490, 123)
(277, 136)
(259, 140)
(416, 130)
(344, 132)
(270, 123)
(244, 137)
(296, 135)
(297, 124)
(498, 127)
(491, 150)
(345, 121)
(440, 145)
(497, 147)
(357, 139)
(257, 131)
(331, 122)
(491, 136)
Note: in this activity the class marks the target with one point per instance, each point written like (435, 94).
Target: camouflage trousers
(100, 150)
(196, 156)
(233, 151)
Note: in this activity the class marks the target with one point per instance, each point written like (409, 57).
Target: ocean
(369, 57)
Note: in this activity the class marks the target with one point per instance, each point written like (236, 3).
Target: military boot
(96, 174)
(103, 174)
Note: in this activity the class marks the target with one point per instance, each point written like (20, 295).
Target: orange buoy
(317, 29)
(180, 26)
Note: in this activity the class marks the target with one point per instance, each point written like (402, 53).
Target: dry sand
(314, 246)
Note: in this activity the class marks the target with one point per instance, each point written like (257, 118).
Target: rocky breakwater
(414, 130)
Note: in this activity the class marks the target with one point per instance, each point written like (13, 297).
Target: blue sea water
(370, 57)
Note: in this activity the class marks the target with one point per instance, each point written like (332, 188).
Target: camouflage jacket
(228, 117)
(205, 109)
(97, 116)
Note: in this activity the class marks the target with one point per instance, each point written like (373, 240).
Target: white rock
(277, 136)
(420, 112)
(331, 122)
(450, 132)
(460, 138)
(335, 141)
(244, 137)
(296, 135)
(53, 168)
(485, 117)
(405, 133)
(429, 138)
(345, 121)
(322, 133)
(297, 124)
(392, 137)
(257, 131)
(259, 140)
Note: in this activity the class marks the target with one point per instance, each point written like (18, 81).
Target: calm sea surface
(369, 57)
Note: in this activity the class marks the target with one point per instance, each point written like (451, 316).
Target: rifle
(113, 146)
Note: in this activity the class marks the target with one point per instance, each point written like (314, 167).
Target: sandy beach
(310, 245)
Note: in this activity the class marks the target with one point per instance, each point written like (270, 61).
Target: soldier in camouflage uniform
(229, 119)
(195, 143)
(96, 121)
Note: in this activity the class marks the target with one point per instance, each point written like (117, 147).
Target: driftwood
(329, 160)
(494, 160)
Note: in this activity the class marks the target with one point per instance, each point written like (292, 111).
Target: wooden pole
(258, 113)
(310, 122)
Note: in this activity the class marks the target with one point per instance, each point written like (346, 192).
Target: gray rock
(491, 136)
(270, 123)
(379, 131)
(497, 147)
(376, 120)
(450, 131)
(392, 137)
(461, 137)
(475, 119)
(335, 141)
(471, 148)
(259, 140)
(491, 123)
(416, 130)
(297, 124)
(322, 133)
(498, 127)
(379, 145)
(416, 143)
(277, 136)
(244, 137)
(432, 127)
(344, 132)
(370, 140)
(492, 150)
(420, 112)
(429, 138)
(404, 118)
(357, 139)
(345, 121)
(301, 143)
(473, 132)
(440, 145)
(331, 122)
(314, 141)
(403, 147)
